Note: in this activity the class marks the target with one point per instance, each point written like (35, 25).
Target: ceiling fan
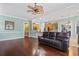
(36, 9)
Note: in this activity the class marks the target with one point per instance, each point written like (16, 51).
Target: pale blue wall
(32, 33)
(8, 34)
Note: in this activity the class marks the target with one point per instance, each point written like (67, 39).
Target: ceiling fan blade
(29, 10)
(30, 7)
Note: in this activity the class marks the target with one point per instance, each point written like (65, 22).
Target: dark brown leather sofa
(59, 40)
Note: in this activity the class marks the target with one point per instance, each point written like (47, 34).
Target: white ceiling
(52, 11)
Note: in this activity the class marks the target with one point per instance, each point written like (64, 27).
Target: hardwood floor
(12, 48)
(50, 51)
(16, 48)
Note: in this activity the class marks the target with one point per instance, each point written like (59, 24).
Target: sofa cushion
(61, 36)
(52, 35)
(45, 34)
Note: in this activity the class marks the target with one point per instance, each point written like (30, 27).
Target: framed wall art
(9, 25)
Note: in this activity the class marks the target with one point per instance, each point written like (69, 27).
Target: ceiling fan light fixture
(37, 9)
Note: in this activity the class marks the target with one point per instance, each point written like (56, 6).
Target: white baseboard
(76, 46)
(11, 38)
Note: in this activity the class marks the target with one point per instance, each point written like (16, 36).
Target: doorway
(26, 29)
(26, 41)
(78, 33)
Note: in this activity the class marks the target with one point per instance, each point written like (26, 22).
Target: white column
(59, 27)
(32, 33)
(74, 38)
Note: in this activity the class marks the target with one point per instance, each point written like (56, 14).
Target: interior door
(78, 34)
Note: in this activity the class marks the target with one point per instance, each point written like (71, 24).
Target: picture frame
(9, 25)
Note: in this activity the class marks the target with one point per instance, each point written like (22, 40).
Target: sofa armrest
(66, 40)
(63, 39)
(39, 37)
